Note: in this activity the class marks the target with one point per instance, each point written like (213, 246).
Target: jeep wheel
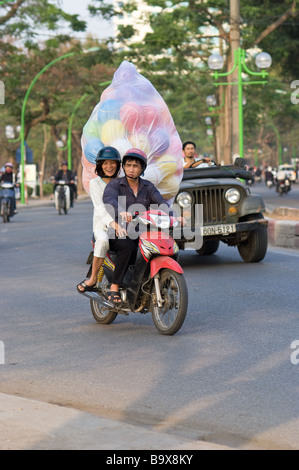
(208, 248)
(254, 249)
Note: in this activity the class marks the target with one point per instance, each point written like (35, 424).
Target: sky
(98, 27)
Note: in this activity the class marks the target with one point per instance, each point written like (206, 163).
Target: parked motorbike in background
(155, 283)
(62, 197)
(7, 196)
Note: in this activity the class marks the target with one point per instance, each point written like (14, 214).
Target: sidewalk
(33, 425)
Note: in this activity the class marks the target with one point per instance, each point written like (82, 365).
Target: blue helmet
(108, 153)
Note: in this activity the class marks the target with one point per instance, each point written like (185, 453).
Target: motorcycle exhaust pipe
(105, 303)
(98, 298)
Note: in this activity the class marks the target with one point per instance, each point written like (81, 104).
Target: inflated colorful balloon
(112, 130)
(140, 141)
(92, 148)
(132, 114)
(109, 109)
(122, 145)
(92, 129)
(159, 140)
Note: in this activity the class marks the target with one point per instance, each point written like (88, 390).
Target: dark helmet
(136, 154)
(108, 153)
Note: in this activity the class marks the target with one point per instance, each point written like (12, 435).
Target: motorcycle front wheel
(101, 313)
(60, 205)
(169, 318)
(5, 211)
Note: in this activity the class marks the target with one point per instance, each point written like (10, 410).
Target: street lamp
(263, 60)
(22, 130)
(211, 100)
(10, 133)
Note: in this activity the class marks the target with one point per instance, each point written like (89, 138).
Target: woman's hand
(120, 231)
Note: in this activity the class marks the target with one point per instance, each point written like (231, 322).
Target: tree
(18, 19)
(173, 55)
(56, 92)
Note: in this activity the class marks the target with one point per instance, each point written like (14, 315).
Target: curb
(33, 425)
(284, 233)
(46, 201)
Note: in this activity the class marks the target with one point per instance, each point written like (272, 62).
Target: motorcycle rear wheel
(100, 313)
(170, 318)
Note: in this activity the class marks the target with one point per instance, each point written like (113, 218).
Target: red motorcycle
(155, 283)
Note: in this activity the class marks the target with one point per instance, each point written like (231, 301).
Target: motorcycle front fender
(164, 262)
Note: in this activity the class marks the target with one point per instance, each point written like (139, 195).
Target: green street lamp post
(263, 60)
(22, 131)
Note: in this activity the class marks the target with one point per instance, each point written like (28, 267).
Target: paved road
(273, 200)
(226, 377)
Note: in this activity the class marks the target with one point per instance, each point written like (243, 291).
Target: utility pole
(234, 45)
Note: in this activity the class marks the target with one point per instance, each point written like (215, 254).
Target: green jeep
(230, 213)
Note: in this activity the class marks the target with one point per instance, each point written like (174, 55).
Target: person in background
(9, 177)
(190, 160)
(68, 176)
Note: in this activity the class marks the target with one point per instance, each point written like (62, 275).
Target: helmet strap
(131, 178)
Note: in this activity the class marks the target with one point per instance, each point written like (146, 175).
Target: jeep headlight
(184, 199)
(232, 195)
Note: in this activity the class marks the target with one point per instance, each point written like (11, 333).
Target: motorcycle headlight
(232, 195)
(184, 199)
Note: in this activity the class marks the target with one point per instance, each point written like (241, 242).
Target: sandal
(86, 288)
(114, 297)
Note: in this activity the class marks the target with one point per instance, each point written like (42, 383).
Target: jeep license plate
(218, 229)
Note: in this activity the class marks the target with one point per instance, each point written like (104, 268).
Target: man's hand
(126, 217)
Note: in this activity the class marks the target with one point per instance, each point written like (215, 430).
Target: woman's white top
(101, 218)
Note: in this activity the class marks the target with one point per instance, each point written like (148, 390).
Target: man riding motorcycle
(133, 190)
(9, 177)
(68, 176)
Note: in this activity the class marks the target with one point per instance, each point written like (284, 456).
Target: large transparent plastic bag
(132, 114)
